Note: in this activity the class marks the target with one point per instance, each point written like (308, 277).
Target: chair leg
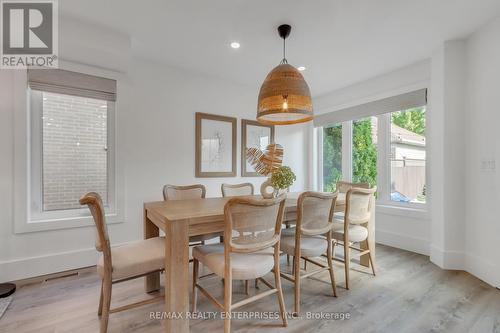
(296, 275)
(247, 287)
(370, 257)
(305, 265)
(277, 283)
(347, 261)
(330, 268)
(228, 286)
(287, 226)
(106, 303)
(196, 267)
(99, 310)
(256, 283)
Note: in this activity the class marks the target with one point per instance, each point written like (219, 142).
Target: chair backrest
(174, 192)
(233, 190)
(359, 204)
(94, 202)
(315, 213)
(343, 186)
(252, 224)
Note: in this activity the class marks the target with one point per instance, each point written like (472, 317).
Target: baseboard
(408, 243)
(54, 276)
(453, 260)
(483, 269)
(47, 264)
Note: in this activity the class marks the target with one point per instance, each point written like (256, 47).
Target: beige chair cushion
(310, 246)
(357, 233)
(135, 258)
(244, 266)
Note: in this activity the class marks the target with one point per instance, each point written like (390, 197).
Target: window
(332, 156)
(364, 151)
(74, 146)
(71, 119)
(385, 149)
(407, 156)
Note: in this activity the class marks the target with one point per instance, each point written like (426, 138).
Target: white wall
(446, 140)
(482, 143)
(155, 145)
(403, 229)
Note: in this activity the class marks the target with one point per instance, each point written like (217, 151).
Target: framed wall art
(215, 146)
(253, 135)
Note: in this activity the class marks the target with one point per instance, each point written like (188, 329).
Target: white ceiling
(341, 42)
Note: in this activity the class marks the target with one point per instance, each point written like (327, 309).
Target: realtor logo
(28, 34)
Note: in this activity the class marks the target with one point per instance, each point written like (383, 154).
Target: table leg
(365, 259)
(177, 276)
(151, 281)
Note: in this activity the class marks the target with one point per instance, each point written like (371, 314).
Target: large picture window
(74, 149)
(386, 149)
(71, 120)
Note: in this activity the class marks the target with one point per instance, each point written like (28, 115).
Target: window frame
(383, 201)
(28, 163)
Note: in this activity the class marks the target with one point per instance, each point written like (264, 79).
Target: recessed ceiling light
(301, 68)
(235, 45)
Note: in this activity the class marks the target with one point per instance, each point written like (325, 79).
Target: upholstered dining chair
(311, 237)
(121, 263)
(353, 226)
(197, 191)
(343, 186)
(233, 190)
(251, 250)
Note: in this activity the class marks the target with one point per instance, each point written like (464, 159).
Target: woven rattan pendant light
(284, 97)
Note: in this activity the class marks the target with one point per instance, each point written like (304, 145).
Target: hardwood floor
(409, 294)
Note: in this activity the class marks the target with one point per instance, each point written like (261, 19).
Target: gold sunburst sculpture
(267, 161)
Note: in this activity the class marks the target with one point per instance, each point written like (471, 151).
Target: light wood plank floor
(409, 294)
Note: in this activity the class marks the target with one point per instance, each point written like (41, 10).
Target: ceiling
(341, 42)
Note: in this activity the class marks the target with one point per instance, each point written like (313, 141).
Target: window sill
(64, 223)
(411, 211)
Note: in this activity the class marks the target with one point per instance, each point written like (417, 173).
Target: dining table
(180, 219)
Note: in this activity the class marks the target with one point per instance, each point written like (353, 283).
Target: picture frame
(253, 134)
(215, 145)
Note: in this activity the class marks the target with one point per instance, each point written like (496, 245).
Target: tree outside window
(332, 157)
(364, 151)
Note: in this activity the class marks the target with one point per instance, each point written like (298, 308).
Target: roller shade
(391, 104)
(72, 83)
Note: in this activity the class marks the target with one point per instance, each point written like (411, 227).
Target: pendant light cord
(284, 61)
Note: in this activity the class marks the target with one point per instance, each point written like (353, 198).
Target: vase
(267, 190)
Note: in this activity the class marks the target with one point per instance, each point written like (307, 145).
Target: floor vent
(64, 276)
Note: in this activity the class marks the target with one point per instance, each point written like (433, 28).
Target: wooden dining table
(180, 219)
